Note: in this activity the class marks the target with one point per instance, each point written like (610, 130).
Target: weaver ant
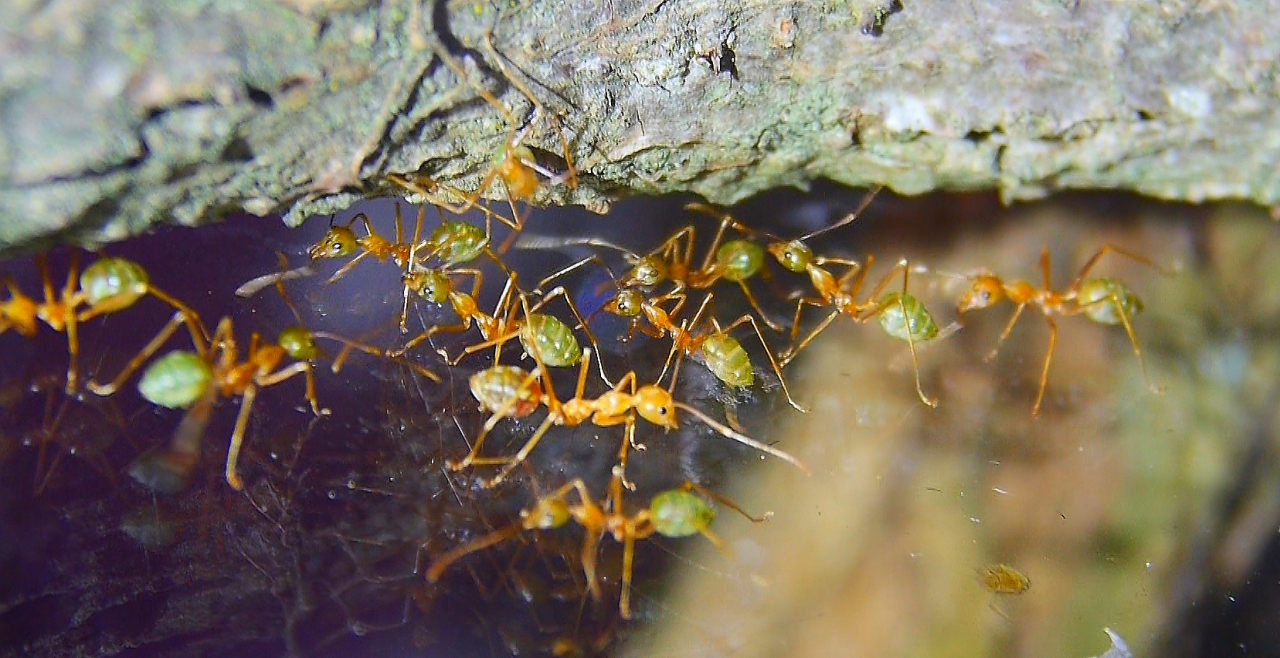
(618, 406)
(186, 380)
(1100, 299)
(107, 286)
(901, 315)
(514, 164)
(723, 355)
(553, 337)
(674, 513)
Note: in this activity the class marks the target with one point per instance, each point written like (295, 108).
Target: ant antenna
(847, 219)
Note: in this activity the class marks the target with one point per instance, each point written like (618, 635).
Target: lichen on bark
(120, 115)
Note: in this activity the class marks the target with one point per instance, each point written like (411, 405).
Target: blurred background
(1154, 515)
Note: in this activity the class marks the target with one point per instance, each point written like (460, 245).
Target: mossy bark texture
(116, 116)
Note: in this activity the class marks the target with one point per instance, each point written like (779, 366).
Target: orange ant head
(986, 291)
(549, 513)
(795, 256)
(627, 303)
(648, 271)
(339, 241)
(431, 285)
(655, 405)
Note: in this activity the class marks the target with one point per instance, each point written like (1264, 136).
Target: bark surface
(116, 116)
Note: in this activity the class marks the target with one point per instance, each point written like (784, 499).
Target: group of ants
(665, 293)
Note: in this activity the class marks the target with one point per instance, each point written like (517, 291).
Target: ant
(451, 242)
(673, 513)
(796, 256)
(554, 338)
(514, 164)
(195, 381)
(901, 315)
(107, 286)
(731, 260)
(618, 406)
(297, 342)
(1100, 299)
(672, 261)
(186, 380)
(723, 355)
(341, 241)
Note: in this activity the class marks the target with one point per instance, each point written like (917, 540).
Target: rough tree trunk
(119, 115)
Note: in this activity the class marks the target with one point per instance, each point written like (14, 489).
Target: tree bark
(116, 116)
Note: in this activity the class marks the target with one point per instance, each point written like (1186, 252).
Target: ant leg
(773, 362)
(141, 357)
(857, 273)
(349, 345)
(726, 220)
(73, 349)
(1112, 249)
(1017, 313)
(69, 303)
(1116, 304)
(194, 324)
(408, 265)
(791, 354)
(911, 344)
(48, 434)
(345, 269)
(496, 342)
(565, 271)
(795, 322)
(515, 460)
(751, 299)
(693, 486)
(441, 565)
(237, 437)
(1048, 357)
(426, 335)
(628, 559)
(288, 373)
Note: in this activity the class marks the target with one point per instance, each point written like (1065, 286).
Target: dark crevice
(724, 62)
(980, 136)
(237, 150)
(260, 97)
